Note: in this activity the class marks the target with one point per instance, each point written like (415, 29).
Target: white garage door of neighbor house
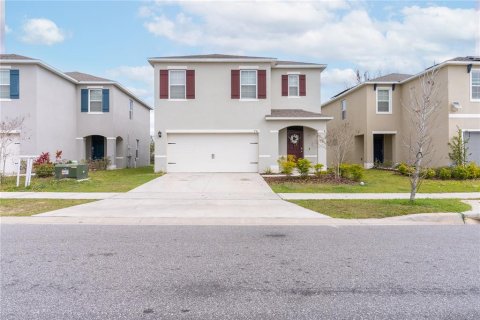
(212, 152)
(473, 145)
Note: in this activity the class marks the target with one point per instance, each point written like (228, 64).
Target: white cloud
(143, 74)
(339, 77)
(42, 31)
(411, 39)
(7, 29)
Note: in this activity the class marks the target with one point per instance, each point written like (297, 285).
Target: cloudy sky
(113, 39)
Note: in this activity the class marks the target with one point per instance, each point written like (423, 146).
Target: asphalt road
(239, 272)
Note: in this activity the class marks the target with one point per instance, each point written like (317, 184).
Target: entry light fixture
(159, 134)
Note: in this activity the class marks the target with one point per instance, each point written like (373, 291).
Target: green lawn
(28, 207)
(379, 181)
(120, 180)
(363, 209)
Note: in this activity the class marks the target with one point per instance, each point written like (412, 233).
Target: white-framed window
(4, 84)
(95, 100)
(384, 100)
(177, 84)
(343, 106)
(475, 85)
(130, 109)
(248, 84)
(293, 85)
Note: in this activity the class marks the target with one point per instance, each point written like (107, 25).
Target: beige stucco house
(85, 116)
(225, 113)
(380, 124)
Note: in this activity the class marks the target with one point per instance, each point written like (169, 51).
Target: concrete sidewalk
(373, 196)
(140, 194)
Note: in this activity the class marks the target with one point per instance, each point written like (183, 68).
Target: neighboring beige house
(86, 117)
(225, 113)
(380, 123)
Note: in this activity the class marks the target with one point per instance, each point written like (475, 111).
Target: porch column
(322, 148)
(81, 149)
(268, 150)
(111, 152)
(368, 142)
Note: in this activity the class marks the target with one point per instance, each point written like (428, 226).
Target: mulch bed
(324, 178)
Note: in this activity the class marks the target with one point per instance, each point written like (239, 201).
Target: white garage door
(212, 152)
(473, 145)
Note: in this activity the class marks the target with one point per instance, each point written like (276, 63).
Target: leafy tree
(458, 149)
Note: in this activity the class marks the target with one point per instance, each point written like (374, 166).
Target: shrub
(351, 171)
(404, 169)
(267, 171)
(303, 166)
(429, 173)
(44, 170)
(43, 158)
(287, 164)
(99, 164)
(460, 173)
(444, 173)
(318, 169)
(473, 170)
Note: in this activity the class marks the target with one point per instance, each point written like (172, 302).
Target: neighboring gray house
(224, 113)
(86, 117)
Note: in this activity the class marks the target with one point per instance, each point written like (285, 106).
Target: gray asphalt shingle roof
(14, 57)
(80, 76)
(293, 113)
(212, 56)
(392, 77)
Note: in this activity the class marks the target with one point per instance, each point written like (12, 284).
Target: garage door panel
(235, 152)
(473, 145)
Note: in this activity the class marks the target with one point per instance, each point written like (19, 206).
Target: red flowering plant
(43, 166)
(58, 156)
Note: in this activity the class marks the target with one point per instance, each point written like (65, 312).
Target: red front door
(295, 141)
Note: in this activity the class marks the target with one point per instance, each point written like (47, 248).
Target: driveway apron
(195, 195)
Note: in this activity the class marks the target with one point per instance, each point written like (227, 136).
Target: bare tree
(421, 109)
(8, 129)
(339, 140)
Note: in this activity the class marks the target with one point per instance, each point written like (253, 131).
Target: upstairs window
(130, 109)
(475, 84)
(5, 84)
(95, 101)
(293, 85)
(248, 84)
(343, 106)
(384, 100)
(177, 84)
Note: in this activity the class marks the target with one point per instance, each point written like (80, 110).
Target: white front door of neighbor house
(212, 152)
(473, 145)
(12, 152)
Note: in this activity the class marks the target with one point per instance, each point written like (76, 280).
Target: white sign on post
(28, 173)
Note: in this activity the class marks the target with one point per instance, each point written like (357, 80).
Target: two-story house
(380, 123)
(226, 113)
(86, 117)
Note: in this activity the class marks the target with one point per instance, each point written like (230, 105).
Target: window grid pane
(383, 106)
(5, 77)
(177, 77)
(475, 92)
(293, 80)
(177, 92)
(95, 95)
(476, 77)
(293, 91)
(4, 92)
(383, 95)
(249, 92)
(248, 77)
(95, 106)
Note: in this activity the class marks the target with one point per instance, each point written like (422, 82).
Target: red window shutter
(262, 84)
(163, 84)
(190, 84)
(284, 85)
(235, 83)
(303, 89)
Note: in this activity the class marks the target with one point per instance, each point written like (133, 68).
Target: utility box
(72, 171)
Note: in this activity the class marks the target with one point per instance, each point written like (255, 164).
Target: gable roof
(392, 77)
(13, 57)
(213, 56)
(74, 77)
(85, 77)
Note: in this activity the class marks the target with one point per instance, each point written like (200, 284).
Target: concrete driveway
(195, 195)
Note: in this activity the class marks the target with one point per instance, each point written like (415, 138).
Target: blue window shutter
(84, 102)
(14, 84)
(105, 100)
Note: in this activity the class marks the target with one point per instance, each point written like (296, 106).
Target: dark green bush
(444, 173)
(44, 170)
(303, 166)
(473, 170)
(405, 169)
(353, 172)
(429, 173)
(460, 173)
(318, 169)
